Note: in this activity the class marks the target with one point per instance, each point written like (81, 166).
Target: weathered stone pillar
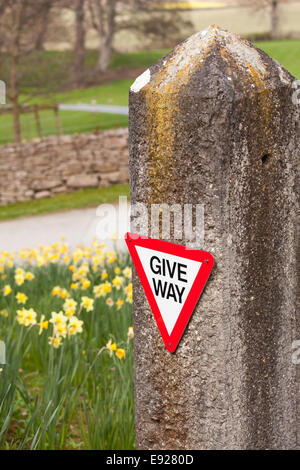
(213, 123)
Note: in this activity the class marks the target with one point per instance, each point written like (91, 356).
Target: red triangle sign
(173, 278)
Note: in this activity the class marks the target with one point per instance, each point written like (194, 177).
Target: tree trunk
(274, 18)
(79, 44)
(42, 29)
(14, 78)
(107, 36)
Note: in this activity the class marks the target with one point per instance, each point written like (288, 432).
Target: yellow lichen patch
(163, 90)
(162, 109)
(265, 102)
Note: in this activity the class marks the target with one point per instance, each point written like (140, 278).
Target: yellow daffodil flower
(21, 298)
(120, 353)
(43, 324)
(87, 303)
(7, 290)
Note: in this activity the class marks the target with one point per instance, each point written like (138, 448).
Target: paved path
(77, 226)
(95, 108)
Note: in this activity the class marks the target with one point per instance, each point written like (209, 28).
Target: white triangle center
(171, 279)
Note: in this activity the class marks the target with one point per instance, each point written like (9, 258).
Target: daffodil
(130, 333)
(119, 303)
(109, 302)
(54, 258)
(21, 298)
(70, 307)
(60, 292)
(63, 293)
(57, 318)
(86, 283)
(83, 270)
(120, 353)
(110, 346)
(56, 291)
(117, 282)
(19, 271)
(26, 317)
(29, 276)
(43, 324)
(59, 321)
(7, 290)
(107, 287)
(55, 341)
(87, 303)
(75, 326)
(128, 289)
(98, 291)
(30, 318)
(21, 315)
(61, 330)
(127, 272)
(19, 279)
(40, 261)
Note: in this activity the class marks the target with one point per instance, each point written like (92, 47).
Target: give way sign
(173, 278)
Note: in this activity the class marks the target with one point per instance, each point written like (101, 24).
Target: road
(95, 108)
(77, 226)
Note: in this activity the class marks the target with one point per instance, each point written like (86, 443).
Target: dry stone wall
(53, 165)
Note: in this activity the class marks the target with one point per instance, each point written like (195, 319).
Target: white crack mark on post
(141, 81)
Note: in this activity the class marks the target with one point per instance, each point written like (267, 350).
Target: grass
(115, 92)
(77, 393)
(138, 59)
(51, 70)
(287, 52)
(84, 198)
(72, 122)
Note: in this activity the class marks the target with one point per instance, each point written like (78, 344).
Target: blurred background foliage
(89, 51)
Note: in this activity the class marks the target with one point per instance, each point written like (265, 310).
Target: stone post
(214, 123)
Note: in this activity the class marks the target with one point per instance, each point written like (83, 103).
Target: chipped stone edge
(141, 81)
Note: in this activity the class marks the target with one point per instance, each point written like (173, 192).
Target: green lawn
(71, 122)
(116, 92)
(287, 52)
(83, 198)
